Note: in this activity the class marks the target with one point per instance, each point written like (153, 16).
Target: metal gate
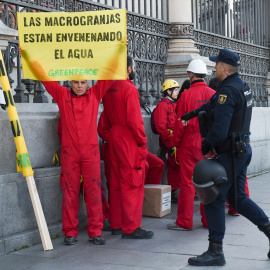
(241, 26)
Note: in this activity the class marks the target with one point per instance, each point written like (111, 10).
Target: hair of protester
(129, 61)
(214, 83)
(165, 93)
(185, 85)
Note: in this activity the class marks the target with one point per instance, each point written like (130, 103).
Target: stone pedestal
(181, 51)
(6, 34)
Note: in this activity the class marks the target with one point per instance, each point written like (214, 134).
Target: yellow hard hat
(169, 84)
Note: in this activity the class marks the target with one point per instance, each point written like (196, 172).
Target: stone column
(181, 43)
(6, 34)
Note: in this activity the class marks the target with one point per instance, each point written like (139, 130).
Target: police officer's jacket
(230, 111)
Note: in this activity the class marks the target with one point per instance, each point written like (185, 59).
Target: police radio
(240, 148)
(239, 145)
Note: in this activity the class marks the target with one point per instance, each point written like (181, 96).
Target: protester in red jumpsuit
(187, 140)
(80, 155)
(164, 118)
(105, 205)
(153, 165)
(128, 150)
(153, 169)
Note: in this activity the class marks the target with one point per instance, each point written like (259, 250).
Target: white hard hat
(197, 66)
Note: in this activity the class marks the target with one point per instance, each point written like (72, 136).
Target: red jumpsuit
(105, 205)
(188, 139)
(103, 132)
(165, 116)
(153, 166)
(80, 155)
(153, 169)
(128, 152)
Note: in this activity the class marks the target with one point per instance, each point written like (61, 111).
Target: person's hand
(184, 122)
(209, 155)
(206, 147)
(20, 50)
(189, 115)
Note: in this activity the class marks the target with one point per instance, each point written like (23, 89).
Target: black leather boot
(266, 230)
(212, 257)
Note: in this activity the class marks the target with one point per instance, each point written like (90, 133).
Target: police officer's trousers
(215, 213)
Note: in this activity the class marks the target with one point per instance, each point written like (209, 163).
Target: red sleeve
(134, 116)
(179, 128)
(54, 89)
(103, 128)
(101, 87)
(161, 120)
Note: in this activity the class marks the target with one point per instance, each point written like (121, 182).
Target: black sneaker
(116, 231)
(174, 195)
(139, 233)
(70, 240)
(106, 225)
(97, 240)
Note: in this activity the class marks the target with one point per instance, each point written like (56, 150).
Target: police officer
(230, 114)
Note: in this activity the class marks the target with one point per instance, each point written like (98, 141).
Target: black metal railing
(147, 25)
(245, 20)
(239, 25)
(254, 61)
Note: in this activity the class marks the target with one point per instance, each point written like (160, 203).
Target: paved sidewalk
(245, 246)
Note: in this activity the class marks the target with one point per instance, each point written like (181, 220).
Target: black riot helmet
(208, 174)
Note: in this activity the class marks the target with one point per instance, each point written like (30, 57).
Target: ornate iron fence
(217, 25)
(147, 24)
(245, 20)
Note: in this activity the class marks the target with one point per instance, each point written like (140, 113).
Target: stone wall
(18, 225)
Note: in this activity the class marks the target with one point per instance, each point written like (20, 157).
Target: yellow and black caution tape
(23, 161)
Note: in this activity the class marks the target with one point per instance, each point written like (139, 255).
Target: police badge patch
(222, 99)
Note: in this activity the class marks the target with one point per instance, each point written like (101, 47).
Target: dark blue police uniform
(227, 104)
(227, 122)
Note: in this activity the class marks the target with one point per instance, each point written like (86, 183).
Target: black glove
(3, 106)
(206, 147)
(189, 115)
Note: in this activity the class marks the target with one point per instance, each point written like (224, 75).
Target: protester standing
(128, 151)
(187, 140)
(164, 120)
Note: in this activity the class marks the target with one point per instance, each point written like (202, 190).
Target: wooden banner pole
(23, 160)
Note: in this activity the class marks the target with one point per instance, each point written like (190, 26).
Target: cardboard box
(157, 200)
